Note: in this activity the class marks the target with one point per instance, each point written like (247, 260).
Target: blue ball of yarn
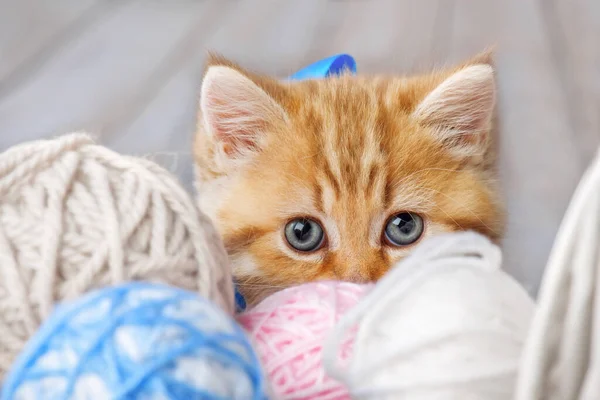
(137, 341)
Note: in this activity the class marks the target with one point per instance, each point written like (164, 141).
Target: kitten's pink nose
(353, 275)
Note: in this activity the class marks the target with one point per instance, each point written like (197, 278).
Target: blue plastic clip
(334, 65)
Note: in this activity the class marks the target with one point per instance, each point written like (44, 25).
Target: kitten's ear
(460, 110)
(236, 113)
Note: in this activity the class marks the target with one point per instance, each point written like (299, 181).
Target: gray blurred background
(129, 72)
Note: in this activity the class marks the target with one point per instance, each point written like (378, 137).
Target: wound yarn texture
(561, 359)
(137, 341)
(445, 323)
(75, 216)
(288, 329)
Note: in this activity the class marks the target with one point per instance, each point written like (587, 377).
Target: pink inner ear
(236, 112)
(233, 126)
(467, 113)
(461, 106)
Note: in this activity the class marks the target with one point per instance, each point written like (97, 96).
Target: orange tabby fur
(348, 151)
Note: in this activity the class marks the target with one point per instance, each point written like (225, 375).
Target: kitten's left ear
(236, 112)
(460, 110)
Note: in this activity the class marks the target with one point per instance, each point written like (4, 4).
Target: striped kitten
(339, 178)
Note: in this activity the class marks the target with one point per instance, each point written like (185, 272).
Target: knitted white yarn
(446, 323)
(561, 359)
(76, 216)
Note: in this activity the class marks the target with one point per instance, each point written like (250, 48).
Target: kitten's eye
(304, 234)
(403, 229)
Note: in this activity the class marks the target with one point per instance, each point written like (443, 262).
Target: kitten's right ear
(460, 110)
(236, 113)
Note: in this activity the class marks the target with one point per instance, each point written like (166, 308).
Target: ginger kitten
(339, 178)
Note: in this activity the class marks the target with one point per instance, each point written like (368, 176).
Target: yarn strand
(12, 278)
(54, 224)
(101, 190)
(23, 161)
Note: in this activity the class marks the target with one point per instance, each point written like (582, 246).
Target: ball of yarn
(561, 358)
(137, 341)
(75, 216)
(446, 323)
(288, 329)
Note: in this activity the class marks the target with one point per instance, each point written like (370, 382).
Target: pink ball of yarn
(289, 328)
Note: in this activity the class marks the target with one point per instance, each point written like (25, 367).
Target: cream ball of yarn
(446, 323)
(561, 358)
(75, 216)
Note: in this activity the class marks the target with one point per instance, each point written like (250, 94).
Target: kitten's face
(340, 178)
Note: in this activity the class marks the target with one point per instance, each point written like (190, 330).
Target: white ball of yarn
(561, 358)
(446, 323)
(75, 216)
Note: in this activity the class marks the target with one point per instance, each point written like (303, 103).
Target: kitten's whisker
(258, 285)
(462, 205)
(449, 216)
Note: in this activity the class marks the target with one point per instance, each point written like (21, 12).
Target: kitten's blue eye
(403, 229)
(304, 234)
